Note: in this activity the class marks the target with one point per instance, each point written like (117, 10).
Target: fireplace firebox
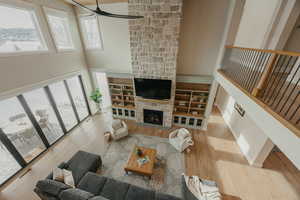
(153, 117)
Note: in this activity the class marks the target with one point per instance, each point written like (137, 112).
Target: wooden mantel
(93, 2)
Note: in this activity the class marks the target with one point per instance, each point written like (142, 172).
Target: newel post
(265, 74)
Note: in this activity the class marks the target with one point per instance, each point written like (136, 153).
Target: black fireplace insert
(153, 117)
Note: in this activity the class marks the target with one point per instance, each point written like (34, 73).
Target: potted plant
(96, 96)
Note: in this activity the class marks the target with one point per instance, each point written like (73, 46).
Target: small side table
(107, 136)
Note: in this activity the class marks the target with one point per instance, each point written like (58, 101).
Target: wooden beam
(93, 2)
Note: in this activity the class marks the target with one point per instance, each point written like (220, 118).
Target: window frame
(84, 33)
(61, 14)
(35, 16)
(28, 111)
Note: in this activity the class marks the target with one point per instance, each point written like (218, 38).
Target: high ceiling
(93, 2)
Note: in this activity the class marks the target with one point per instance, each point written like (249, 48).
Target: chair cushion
(75, 194)
(92, 183)
(117, 124)
(51, 187)
(160, 196)
(138, 193)
(81, 163)
(114, 190)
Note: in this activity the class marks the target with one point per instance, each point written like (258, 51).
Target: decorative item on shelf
(96, 96)
(239, 109)
(139, 152)
(195, 113)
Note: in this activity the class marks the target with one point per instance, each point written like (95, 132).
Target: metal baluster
(280, 78)
(290, 95)
(262, 64)
(283, 82)
(287, 87)
(271, 81)
(291, 105)
(252, 72)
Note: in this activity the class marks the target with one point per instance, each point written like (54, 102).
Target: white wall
(293, 43)
(202, 29)
(116, 56)
(257, 22)
(20, 73)
(250, 138)
(279, 134)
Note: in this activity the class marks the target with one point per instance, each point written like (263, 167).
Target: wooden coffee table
(145, 169)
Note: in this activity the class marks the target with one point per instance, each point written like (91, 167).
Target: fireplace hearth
(153, 117)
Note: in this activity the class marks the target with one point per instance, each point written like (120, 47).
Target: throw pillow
(58, 175)
(68, 178)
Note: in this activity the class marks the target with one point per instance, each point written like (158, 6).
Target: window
(78, 97)
(8, 165)
(63, 104)
(19, 30)
(18, 128)
(60, 28)
(44, 114)
(91, 32)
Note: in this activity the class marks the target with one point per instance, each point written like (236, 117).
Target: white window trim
(21, 5)
(83, 32)
(63, 14)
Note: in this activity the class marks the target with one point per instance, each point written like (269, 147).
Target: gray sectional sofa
(91, 186)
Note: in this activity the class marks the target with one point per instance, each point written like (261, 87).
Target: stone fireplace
(154, 48)
(153, 117)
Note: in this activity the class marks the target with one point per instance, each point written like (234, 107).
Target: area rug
(167, 171)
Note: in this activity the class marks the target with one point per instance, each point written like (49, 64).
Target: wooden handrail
(286, 53)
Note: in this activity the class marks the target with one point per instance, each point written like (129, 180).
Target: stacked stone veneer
(154, 42)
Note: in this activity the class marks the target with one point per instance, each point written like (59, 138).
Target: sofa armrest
(51, 187)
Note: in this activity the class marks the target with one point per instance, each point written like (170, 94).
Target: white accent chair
(119, 129)
(181, 139)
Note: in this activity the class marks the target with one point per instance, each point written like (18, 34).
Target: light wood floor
(215, 156)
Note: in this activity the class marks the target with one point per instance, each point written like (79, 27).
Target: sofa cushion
(138, 193)
(98, 198)
(114, 190)
(75, 194)
(83, 162)
(92, 183)
(51, 187)
(161, 196)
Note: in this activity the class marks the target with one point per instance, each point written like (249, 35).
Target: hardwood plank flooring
(215, 156)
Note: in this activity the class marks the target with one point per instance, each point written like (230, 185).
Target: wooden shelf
(122, 88)
(187, 114)
(127, 107)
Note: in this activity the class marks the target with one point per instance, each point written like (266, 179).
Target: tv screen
(153, 88)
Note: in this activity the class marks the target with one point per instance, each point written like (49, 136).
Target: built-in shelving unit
(190, 104)
(122, 97)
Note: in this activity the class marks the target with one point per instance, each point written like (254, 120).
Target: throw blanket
(202, 189)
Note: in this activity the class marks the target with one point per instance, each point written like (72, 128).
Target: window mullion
(33, 120)
(12, 149)
(54, 106)
(84, 94)
(72, 101)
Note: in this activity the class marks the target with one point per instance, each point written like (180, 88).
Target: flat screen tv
(153, 88)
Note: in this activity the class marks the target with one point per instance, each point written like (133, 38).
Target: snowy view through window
(18, 31)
